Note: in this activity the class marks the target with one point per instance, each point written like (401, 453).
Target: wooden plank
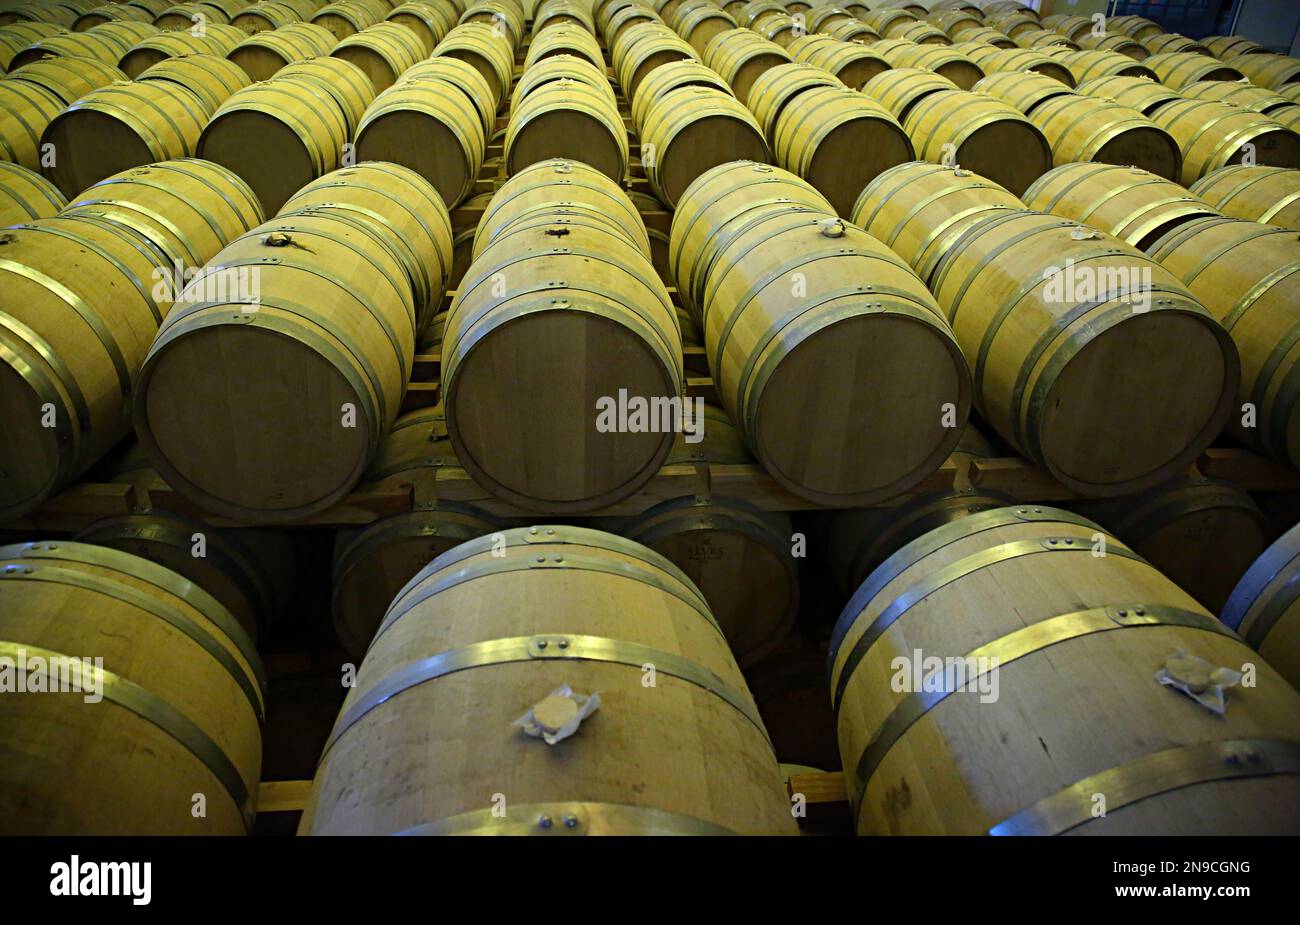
(826, 787)
(283, 796)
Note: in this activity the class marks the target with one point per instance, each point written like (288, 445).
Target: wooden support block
(283, 796)
(1247, 471)
(827, 787)
(420, 395)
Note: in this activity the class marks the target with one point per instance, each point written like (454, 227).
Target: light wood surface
(217, 39)
(429, 22)
(1270, 195)
(852, 63)
(78, 315)
(1179, 69)
(740, 56)
(334, 327)
(564, 108)
(637, 749)
(1063, 712)
(1025, 92)
(26, 195)
(1059, 383)
(263, 54)
(1213, 135)
(68, 78)
(155, 630)
(343, 82)
(382, 51)
(778, 86)
(1247, 275)
(1128, 202)
(489, 52)
(1141, 93)
(25, 111)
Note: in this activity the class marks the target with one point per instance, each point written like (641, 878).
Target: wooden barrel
(561, 448)
(215, 40)
(123, 34)
(333, 315)
(564, 40)
(823, 16)
(1140, 93)
(1087, 310)
(1072, 27)
(1119, 44)
(68, 78)
(278, 136)
(1256, 99)
(1199, 533)
(1135, 27)
(699, 26)
(1064, 616)
(1269, 70)
(399, 205)
(568, 118)
(263, 54)
(1134, 205)
(982, 134)
(489, 52)
(558, 189)
(1178, 69)
(693, 129)
(984, 39)
(373, 564)
(1171, 43)
(1085, 65)
(180, 699)
(737, 555)
(505, 16)
(626, 18)
(1262, 607)
(248, 571)
(180, 17)
(25, 195)
(919, 210)
(25, 112)
(885, 18)
(853, 64)
(1045, 40)
(110, 12)
(754, 13)
(122, 125)
(213, 80)
(190, 209)
(740, 57)
(1024, 91)
(17, 36)
(554, 13)
(1227, 47)
(777, 87)
(781, 30)
(466, 78)
(714, 203)
(919, 32)
(348, 17)
(994, 60)
(960, 69)
(432, 128)
(661, 620)
(1087, 129)
(1013, 23)
(383, 52)
(429, 22)
(343, 82)
(858, 541)
(1248, 276)
(79, 313)
(839, 141)
(1270, 195)
(955, 22)
(668, 77)
(70, 45)
(853, 31)
(1213, 135)
(840, 348)
(643, 49)
(269, 16)
(899, 89)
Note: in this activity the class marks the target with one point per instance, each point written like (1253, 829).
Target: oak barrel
(568, 117)
(79, 313)
(216, 39)
(1270, 195)
(68, 78)
(586, 314)
(382, 51)
(313, 314)
(1213, 135)
(1248, 276)
(695, 710)
(25, 111)
(1096, 323)
(262, 54)
(1085, 129)
(1070, 628)
(26, 195)
(180, 699)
